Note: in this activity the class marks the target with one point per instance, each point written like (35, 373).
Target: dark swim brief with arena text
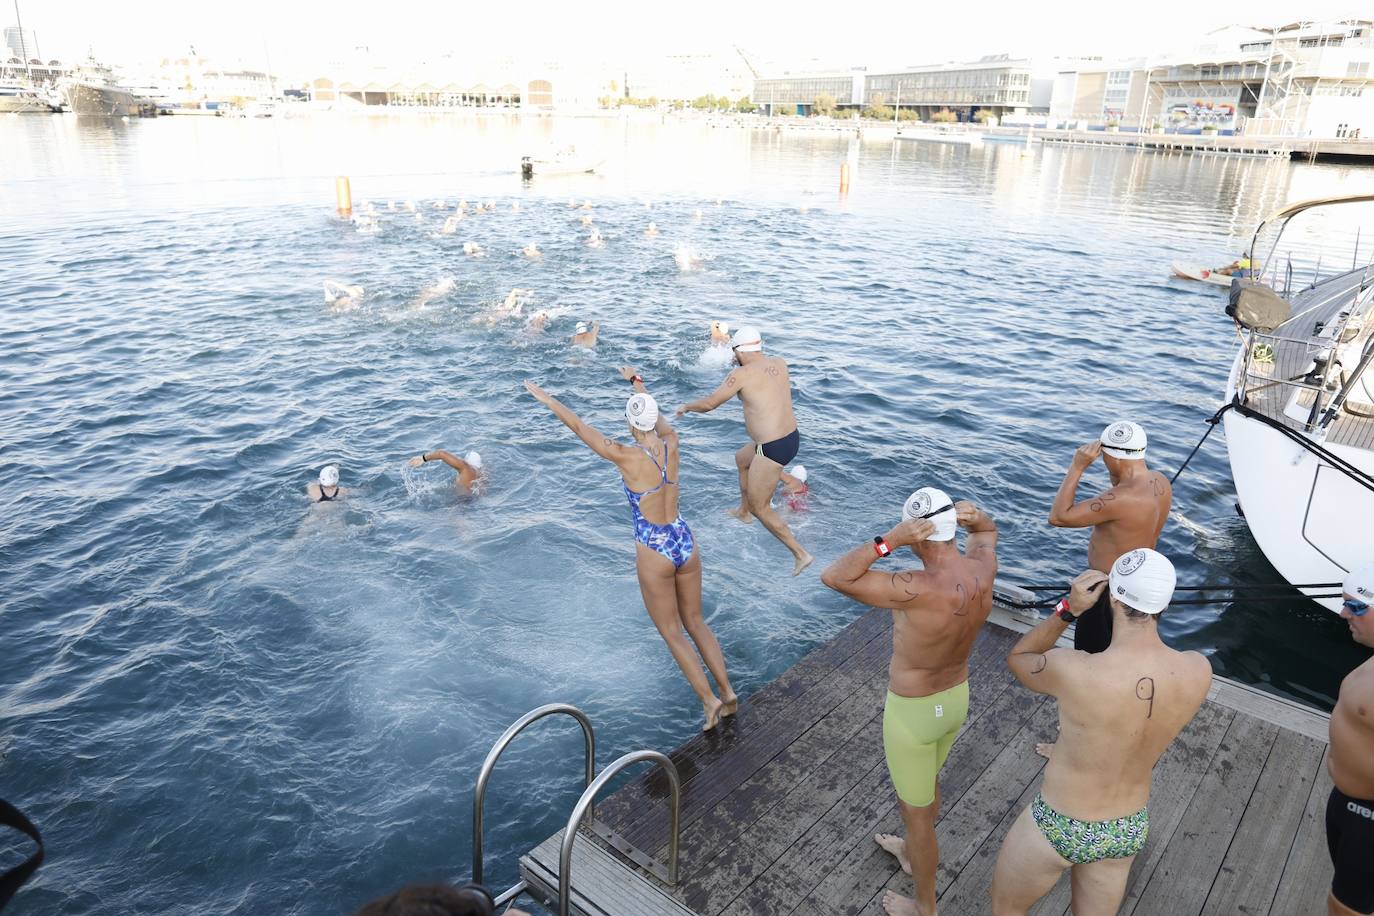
(1350, 838)
(781, 450)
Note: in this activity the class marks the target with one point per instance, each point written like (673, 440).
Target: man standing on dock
(1129, 514)
(1350, 808)
(937, 613)
(1119, 711)
(765, 391)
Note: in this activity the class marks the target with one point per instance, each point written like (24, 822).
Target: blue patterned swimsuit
(674, 540)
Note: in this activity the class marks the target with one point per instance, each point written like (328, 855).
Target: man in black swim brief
(765, 390)
(1350, 761)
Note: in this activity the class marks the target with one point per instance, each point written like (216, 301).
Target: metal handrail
(519, 725)
(584, 805)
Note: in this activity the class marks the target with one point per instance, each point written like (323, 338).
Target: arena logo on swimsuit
(1361, 810)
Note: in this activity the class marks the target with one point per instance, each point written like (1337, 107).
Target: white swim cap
(329, 475)
(747, 340)
(642, 412)
(720, 326)
(1360, 583)
(581, 327)
(799, 472)
(473, 459)
(1124, 440)
(1143, 579)
(933, 504)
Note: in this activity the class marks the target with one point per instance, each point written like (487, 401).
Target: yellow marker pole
(844, 178)
(343, 197)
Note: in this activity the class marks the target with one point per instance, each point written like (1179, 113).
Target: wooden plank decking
(780, 806)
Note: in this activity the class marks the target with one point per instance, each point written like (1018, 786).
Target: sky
(299, 36)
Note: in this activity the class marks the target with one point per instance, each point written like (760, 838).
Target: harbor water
(220, 698)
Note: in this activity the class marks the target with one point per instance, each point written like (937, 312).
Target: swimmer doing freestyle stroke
(667, 559)
(765, 390)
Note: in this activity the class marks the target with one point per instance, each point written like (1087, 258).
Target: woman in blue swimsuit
(666, 557)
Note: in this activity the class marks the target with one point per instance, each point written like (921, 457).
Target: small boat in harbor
(566, 161)
(23, 98)
(1299, 413)
(1201, 274)
(940, 133)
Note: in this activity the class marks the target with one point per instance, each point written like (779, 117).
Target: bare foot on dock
(713, 709)
(742, 514)
(803, 561)
(895, 904)
(895, 846)
(729, 705)
(1045, 748)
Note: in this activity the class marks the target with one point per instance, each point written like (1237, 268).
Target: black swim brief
(1349, 838)
(781, 450)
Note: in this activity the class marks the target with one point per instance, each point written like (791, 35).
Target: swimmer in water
(532, 251)
(441, 205)
(515, 302)
(462, 205)
(667, 562)
(410, 206)
(586, 205)
(473, 249)
(594, 240)
(584, 336)
(697, 215)
(652, 230)
(451, 224)
(794, 489)
(720, 333)
(765, 390)
(469, 467)
(342, 296)
(571, 203)
(587, 219)
(515, 206)
(434, 291)
(328, 489)
(537, 322)
(686, 258)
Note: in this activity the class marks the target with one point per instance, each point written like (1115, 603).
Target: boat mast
(23, 50)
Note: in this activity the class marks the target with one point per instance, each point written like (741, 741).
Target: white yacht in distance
(1299, 417)
(940, 133)
(18, 98)
(93, 90)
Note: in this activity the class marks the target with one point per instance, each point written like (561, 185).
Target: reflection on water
(217, 693)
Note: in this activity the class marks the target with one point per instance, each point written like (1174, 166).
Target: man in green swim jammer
(936, 615)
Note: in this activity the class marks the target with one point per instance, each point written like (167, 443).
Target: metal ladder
(584, 808)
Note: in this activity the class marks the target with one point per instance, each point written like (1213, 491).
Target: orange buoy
(844, 178)
(343, 197)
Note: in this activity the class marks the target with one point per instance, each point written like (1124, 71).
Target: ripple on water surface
(220, 699)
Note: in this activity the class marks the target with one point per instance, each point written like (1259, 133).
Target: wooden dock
(780, 806)
(1309, 148)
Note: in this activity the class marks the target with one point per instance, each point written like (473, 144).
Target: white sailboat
(1299, 418)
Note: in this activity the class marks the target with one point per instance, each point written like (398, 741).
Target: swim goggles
(1355, 607)
(934, 512)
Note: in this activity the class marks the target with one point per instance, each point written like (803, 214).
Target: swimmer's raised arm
(727, 390)
(1065, 513)
(982, 535)
(448, 458)
(662, 427)
(1034, 660)
(603, 445)
(850, 575)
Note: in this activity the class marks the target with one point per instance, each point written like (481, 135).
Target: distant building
(996, 83)
(1310, 79)
(797, 92)
(21, 43)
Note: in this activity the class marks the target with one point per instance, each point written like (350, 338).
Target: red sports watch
(880, 547)
(1062, 609)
